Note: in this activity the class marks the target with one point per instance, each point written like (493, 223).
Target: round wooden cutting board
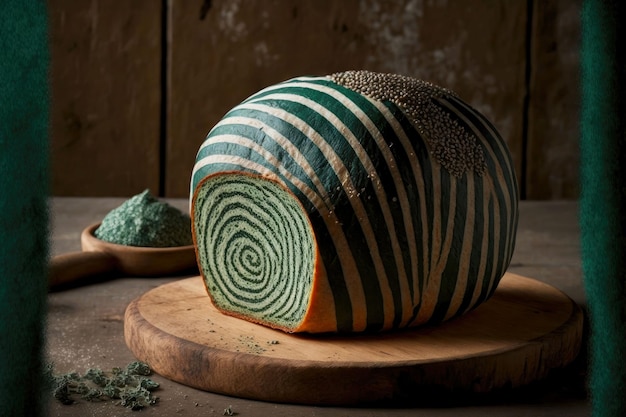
(523, 331)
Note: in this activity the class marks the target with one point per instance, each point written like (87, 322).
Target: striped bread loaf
(352, 202)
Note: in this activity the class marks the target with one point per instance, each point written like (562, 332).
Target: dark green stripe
(386, 179)
(327, 176)
(372, 205)
(484, 293)
(328, 131)
(503, 196)
(504, 256)
(334, 271)
(343, 209)
(218, 229)
(210, 169)
(501, 262)
(330, 181)
(403, 165)
(425, 167)
(286, 85)
(513, 216)
(449, 278)
(309, 149)
(498, 146)
(253, 156)
(267, 143)
(218, 236)
(480, 218)
(483, 128)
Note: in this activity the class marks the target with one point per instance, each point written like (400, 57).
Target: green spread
(145, 221)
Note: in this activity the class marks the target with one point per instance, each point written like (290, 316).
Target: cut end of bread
(256, 249)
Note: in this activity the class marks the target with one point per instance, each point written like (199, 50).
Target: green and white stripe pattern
(407, 194)
(256, 234)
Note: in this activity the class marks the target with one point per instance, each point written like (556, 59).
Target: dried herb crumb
(130, 385)
(145, 221)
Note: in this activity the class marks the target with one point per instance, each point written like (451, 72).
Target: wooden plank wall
(106, 96)
(553, 111)
(131, 107)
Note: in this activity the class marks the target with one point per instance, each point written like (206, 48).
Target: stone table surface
(85, 328)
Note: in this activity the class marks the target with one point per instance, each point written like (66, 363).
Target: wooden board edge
(299, 382)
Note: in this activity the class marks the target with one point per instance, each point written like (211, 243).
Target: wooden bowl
(99, 257)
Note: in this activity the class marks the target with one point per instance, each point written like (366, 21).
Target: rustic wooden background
(137, 85)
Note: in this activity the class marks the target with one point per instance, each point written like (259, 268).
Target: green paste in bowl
(145, 221)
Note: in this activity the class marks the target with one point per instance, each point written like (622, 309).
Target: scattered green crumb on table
(145, 221)
(130, 385)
